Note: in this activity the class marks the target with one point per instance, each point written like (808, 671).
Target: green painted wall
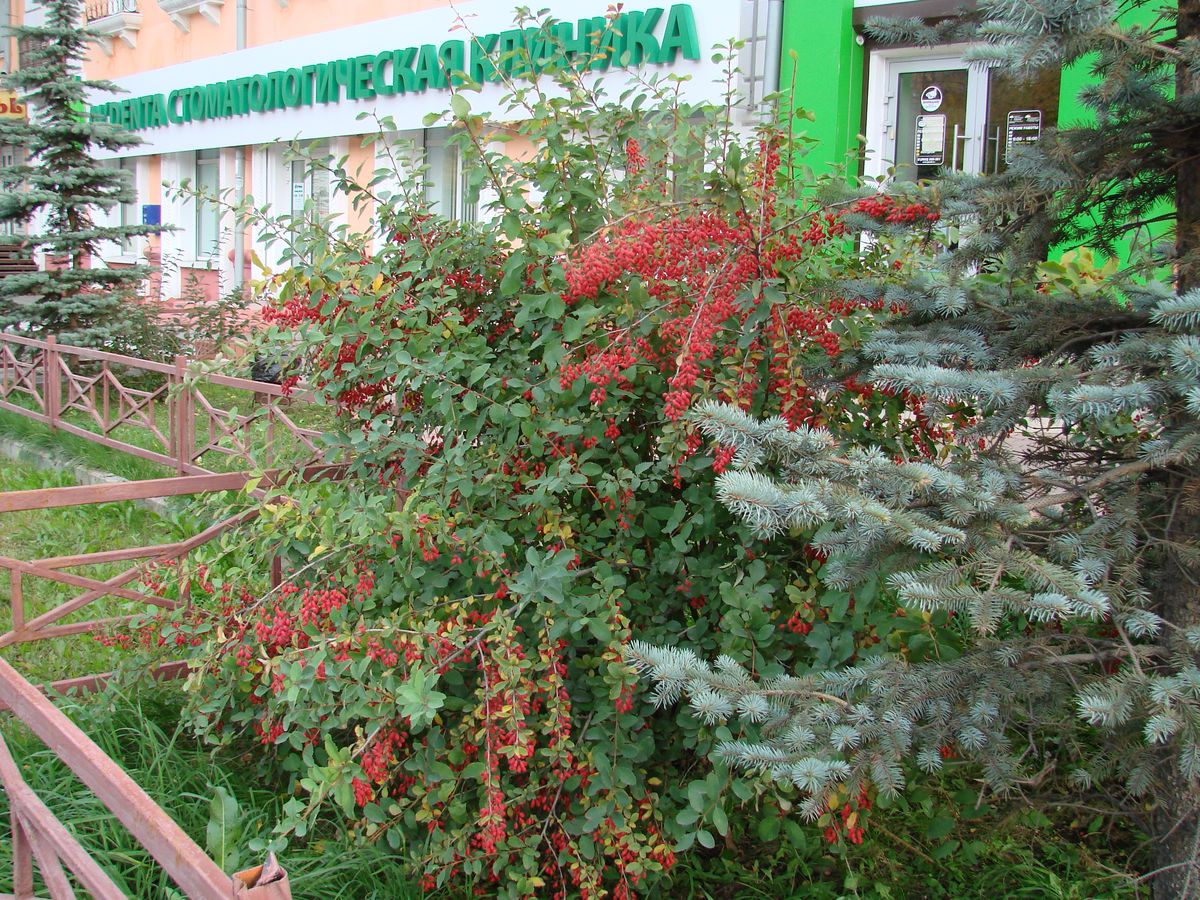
(1074, 79)
(827, 75)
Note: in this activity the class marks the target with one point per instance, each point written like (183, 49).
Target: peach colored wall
(360, 164)
(206, 281)
(161, 43)
(17, 11)
(270, 22)
(519, 147)
(154, 179)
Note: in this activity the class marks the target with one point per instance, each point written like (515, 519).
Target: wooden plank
(22, 853)
(88, 684)
(84, 494)
(133, 362)
(186, 863)
(131, 449)
(23, 341)
(39, 623)
(7, 562)
(28, 636)
(105, 556)
(52, 871)
(170, 551)
(57, 631)
(26, 411)
(299, 394)
(17, 599)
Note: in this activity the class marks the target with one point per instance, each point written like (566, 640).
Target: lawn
(59, 532)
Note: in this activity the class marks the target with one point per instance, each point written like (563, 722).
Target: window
(11, 156)
(311, 182)
(129, 209)
(446, 180)
(929, 111)
(208, 213)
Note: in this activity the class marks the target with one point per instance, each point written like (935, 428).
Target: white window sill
(125, 259)
(210, 263)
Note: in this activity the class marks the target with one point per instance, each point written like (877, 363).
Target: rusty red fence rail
(58, 380)
(38, 836)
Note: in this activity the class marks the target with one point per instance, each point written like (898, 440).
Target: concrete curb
(41, 458)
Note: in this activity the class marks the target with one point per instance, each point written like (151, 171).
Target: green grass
(39, 534)
(1009, 853)
(78, 450)
(142, 732)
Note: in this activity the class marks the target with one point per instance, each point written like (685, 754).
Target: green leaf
(223, 829)
(460, 106)
(939, 828)
(769, 828)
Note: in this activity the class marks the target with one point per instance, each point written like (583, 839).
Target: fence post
(183, 417)
(22, 855)
(17, 600)
(51, 381)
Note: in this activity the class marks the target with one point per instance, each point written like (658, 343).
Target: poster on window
(930, 145)
(1024, 126)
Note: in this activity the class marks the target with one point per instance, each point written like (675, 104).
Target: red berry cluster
(885, 209)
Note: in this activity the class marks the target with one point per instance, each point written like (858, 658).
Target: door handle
(954, 150)
(994, 140)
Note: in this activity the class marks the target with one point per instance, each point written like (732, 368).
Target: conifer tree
(1062, 527)
(63, 186)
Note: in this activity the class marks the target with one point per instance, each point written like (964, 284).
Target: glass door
(930, 113)
(1018, 112)
(934, 120)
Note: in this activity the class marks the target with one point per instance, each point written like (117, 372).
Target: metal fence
(99, 9)
(180, 427)
(182, 424)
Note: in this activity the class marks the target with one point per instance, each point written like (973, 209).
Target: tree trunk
(1176, 857)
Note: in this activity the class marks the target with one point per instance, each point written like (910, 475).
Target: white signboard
(393, 44)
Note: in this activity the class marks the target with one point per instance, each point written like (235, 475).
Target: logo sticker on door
(931, 98)
(930, 146)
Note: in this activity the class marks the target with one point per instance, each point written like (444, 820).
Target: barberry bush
(525, 490)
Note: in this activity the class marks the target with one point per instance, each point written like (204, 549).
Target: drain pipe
(6, 35)
(772, 57)
(239, 176)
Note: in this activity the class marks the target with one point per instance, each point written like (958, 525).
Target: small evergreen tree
(1059, 533)
(78, 302)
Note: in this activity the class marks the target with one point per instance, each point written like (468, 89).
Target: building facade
(218, 89)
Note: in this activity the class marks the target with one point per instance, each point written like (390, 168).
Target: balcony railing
(100, 9)
(109, 19)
